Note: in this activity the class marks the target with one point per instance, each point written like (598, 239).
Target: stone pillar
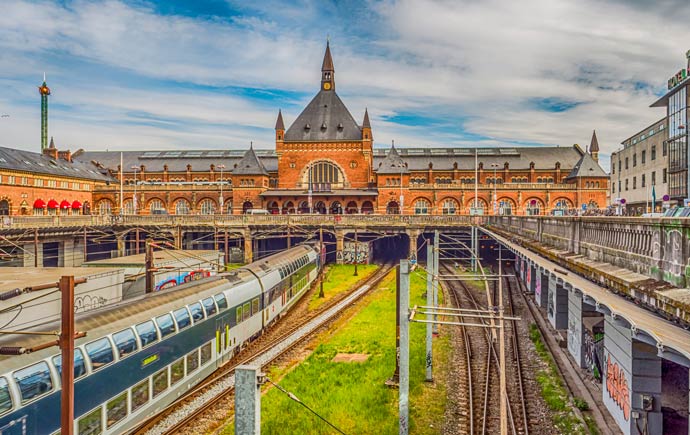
(557, 304)
(413, 234)
(248, 245)
(339, 245)
(178, 238)
(541, 288)
(71, 253)
(120, 245)
(632, 372)
(530, 276)
(578, 310)
(30, 256)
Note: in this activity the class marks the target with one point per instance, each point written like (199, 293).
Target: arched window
(336, 207)
(105, 208)
(505, 207)
(288, 207)
(128, 207)
(561, 204)
(367, 207)
(323, 176)
(246, 206)
(156, 206)
(320, 207)
(207, 206)
(182, 207)
(304, 207)
(421, 206)
(228, 207)
(392, 208)
(533, 207)
(351, 208)
(4, 208)
(449, 206)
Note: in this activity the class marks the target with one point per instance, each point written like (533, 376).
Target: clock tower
(327, 71)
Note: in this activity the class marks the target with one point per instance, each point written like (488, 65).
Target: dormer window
(323, 126)
(340, 126)
(307, 127)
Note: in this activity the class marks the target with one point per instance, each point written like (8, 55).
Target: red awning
(39, 204)
(53, 204)
(76, 205)
(65, 204)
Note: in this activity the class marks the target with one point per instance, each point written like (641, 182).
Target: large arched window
(246, 206)
(182, 207)
(128, 207)
(156, 206)
(505, 206)
(105, 207)
(393, 208)
(323, 176)
(4, 207)
(207, 206)
(421, 206)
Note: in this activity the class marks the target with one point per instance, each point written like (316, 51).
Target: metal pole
(67, 347)
(502, 349)
(134, 198)
(136, 239)
(148, 264)
(437, 248)
(227, 249)
(289, 242)
(323, 265)
(247, 400)
(85, 248)
(356, 253)
(404, 300)
(35, 247)
(429, 316)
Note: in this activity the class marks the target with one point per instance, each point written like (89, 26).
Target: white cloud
(479, 62)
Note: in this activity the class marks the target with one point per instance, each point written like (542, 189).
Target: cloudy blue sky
(138, 74)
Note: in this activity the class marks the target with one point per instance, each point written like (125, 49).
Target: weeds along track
(206, 401)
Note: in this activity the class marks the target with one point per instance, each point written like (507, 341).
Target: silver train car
(142, 354)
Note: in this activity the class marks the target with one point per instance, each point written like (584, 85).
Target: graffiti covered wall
(363, 252)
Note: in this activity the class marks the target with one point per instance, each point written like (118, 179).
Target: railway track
(210, 392)
(481, 356)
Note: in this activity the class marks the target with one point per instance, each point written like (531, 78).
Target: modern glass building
(676, 103)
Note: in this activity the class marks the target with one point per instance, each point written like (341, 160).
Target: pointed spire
(327, 59)
(279, 122)
(366, 123)
(594, 145)
(250, 164)
(52, 143)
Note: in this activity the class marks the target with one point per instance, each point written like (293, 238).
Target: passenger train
(142, 354)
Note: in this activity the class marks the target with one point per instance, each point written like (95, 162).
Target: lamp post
(134, 198)
(221, 202)
(495, 166)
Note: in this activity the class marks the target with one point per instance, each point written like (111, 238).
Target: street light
(134, 198)
(495, 166)
(401, 165)
(220, 200)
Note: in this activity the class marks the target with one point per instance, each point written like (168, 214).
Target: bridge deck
(665, 333)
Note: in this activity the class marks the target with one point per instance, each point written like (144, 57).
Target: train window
(79, 366)
(246, 310)
(100, 353)
(116, 409)
(192, 361)
(125, 341)
(140, 394)
(210, 307)
(197, 312)
(176, 371)
(165, 324)
(221, 301)
(90, 424)
(205, 353)
(238, 315)
(33, 381)
(160, 382)
(147, 333)
(255, 306)
(182, 318)
(5, 398)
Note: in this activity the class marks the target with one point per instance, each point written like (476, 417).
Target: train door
(223, 339)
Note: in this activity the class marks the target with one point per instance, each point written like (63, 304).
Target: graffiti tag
(617, 387)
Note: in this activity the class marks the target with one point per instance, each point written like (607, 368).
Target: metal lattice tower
(44, 90)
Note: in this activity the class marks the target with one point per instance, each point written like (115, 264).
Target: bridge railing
(57, 221)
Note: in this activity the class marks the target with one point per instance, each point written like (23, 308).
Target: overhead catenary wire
(296, 399)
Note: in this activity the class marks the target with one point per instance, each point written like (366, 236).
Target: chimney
(65, 155)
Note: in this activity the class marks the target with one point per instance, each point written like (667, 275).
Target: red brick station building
(324, 162)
